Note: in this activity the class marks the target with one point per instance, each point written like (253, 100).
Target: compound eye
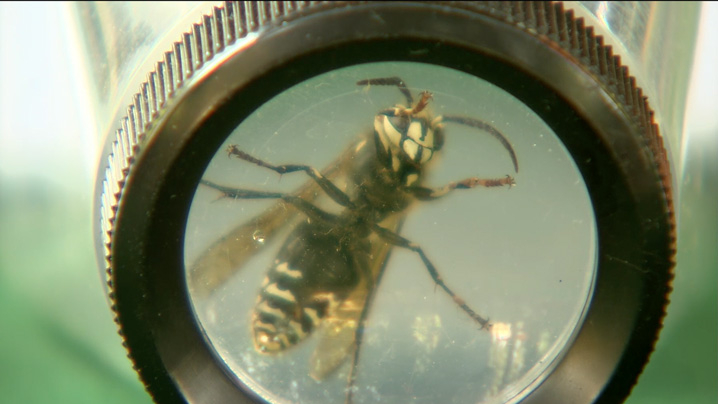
(400, 123)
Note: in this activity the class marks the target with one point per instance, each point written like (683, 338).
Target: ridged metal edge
(214, 34)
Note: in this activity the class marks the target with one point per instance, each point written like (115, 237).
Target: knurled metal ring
(165, 140)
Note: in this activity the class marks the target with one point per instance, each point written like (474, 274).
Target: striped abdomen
(313, 273)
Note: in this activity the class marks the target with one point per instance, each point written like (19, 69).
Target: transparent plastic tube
(655, 40)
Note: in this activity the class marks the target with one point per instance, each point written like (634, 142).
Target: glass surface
(119, 43)
(524, 256)
(656, 40)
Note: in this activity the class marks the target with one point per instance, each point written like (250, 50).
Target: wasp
(325, 275)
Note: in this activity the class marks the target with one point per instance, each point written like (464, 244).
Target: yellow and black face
(408, 136)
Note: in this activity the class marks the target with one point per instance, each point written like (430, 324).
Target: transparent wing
(229, 253)
(337, 334)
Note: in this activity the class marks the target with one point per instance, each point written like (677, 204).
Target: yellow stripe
(264, 308)
(285, 295)
(284, 269)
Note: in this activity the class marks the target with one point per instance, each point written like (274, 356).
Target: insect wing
(337, 334)
(229, 253)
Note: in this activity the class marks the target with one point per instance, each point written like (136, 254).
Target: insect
(325, 275)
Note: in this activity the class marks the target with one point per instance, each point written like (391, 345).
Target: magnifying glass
(408, 202)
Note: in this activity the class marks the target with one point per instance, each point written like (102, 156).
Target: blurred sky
(57, 340)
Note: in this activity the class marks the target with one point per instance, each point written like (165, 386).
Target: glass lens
(283, 289)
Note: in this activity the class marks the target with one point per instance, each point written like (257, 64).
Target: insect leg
(389, 81)
(335, 193)
(399, 241)
(378, 264)
(351, 379)
(307, 208)
(359, 335)
(425, 193)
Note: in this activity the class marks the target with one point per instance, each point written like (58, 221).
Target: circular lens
(285, 299)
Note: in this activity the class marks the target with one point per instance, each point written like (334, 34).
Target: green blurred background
(57, 339)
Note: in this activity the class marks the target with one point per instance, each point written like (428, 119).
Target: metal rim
(534, 51)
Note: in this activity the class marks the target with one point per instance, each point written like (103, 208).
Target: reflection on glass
(522, 256)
